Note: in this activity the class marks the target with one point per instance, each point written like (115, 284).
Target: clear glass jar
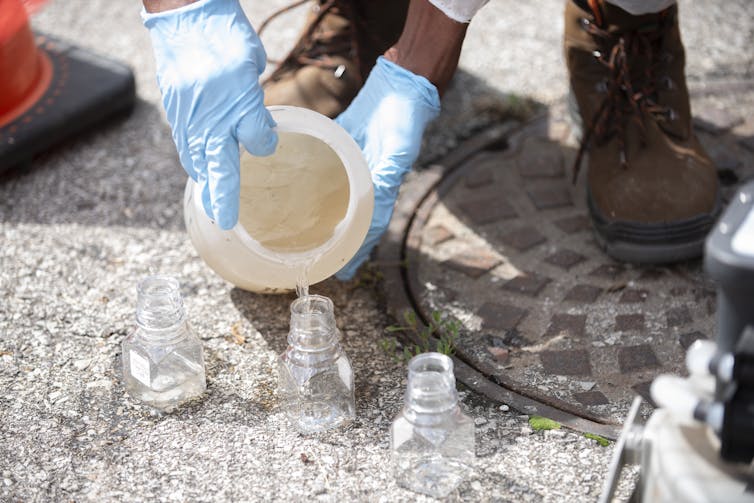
(431, 440)
(315, 379)
(163, 363)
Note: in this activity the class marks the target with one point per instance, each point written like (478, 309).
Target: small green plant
(443, 329)
(369, 276)
(539, 423)
(600, 440)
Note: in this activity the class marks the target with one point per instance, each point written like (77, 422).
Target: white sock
(638, 7)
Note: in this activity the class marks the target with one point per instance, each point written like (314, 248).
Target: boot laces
(628, 96)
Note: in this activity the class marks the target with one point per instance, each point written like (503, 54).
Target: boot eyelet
(597, 54)
(601, 86)
(339, 71)
(672, 115)
(584, 23)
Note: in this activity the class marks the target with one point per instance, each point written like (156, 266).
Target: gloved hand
(387, 119)
(208, 64)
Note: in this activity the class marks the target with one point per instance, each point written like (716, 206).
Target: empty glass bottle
(163, 364)
(432, 440)
(315, 377)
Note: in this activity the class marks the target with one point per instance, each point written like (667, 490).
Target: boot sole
(652, 243)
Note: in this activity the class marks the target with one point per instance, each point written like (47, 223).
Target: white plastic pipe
(676, 395)
(699, 356)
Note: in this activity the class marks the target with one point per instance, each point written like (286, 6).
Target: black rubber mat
(86, 89)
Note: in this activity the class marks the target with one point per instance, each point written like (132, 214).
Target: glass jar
(432, 440)
(163, 363)
(315, 383)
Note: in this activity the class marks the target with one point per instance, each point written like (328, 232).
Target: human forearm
(430, 44)
(163, 5)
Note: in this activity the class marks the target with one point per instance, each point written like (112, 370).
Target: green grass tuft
(540, 423)
(600, 440)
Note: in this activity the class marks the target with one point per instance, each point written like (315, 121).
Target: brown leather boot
(336, 51)
(652, 190)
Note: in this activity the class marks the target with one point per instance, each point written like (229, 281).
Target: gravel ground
(80, 229)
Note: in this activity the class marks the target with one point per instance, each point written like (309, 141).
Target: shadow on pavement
(125, 173)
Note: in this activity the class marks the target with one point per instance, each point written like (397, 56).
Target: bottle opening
(312, 305)
(430, 362)
(431, 384)
(293, 200)
(159, 303)
(312, 323)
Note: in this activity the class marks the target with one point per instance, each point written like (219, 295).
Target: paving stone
(678, 316)
(687, 339)
(570, 362)
(545, 199)
(715, 120)
(570, 325)
(510, 339)
(527, 284)
(499, 354)
(479, 178)
(523, 239)
(485, 211)
(583, 293)
(632, 358)
(437, 234)
(474, 262)
(572, 225)
(501, 316)
(590, 398)
(565, 258)
(542, 161)
(633, 296)
(628, 322)
(610, 271)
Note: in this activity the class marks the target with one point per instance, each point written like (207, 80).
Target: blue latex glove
(387, 119)
(208, 64)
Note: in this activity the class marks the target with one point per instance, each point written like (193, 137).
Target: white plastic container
(307, 208)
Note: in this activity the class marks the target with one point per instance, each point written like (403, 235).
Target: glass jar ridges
(315, 383)
(432, 440)
(163, 362)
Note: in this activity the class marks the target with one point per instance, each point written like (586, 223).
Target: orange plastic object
(32, 6)
(25, 71)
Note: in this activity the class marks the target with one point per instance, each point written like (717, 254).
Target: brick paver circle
(506, 247)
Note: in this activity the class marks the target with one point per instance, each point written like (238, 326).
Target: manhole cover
(501, 241)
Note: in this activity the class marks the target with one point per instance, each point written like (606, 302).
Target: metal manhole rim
(396, 285)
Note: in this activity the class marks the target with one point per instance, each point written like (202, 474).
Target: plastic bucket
(304, 209)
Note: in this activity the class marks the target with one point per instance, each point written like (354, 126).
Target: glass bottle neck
(313, 324)
(431, 388)
(160, 314)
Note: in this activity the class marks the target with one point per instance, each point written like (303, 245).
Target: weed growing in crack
(441, 329)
